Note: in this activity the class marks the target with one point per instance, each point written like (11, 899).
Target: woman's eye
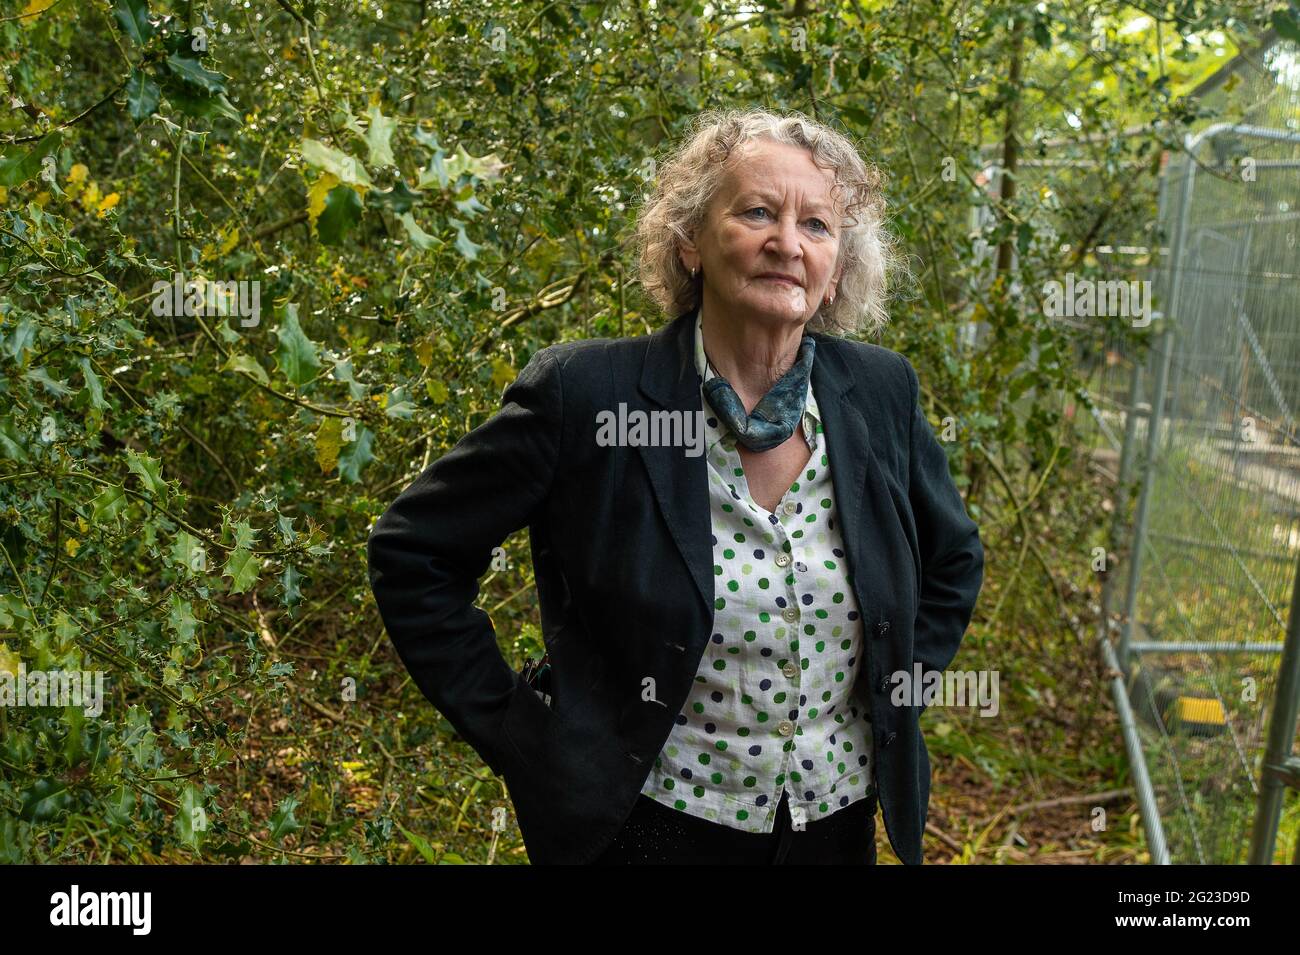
(818, 223)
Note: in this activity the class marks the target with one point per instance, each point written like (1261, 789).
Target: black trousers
(655, 834)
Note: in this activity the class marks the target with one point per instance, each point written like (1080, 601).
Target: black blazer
(622, 552)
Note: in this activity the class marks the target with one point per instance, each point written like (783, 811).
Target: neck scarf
(775, 416)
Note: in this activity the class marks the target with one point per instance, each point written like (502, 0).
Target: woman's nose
(785, 237)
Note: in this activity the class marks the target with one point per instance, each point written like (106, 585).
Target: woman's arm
(952, 557)
(433, 543)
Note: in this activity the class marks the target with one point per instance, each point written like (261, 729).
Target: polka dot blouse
(776, 705)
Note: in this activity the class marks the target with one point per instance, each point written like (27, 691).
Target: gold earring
(693, 271)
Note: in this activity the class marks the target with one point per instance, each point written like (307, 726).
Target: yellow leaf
(329, 439)
(502, 372)
(35, 7)
(78, 173)
(9, 661)
(4, 194)
(72, 545)
(424, 352)
(316, 196)
(437, 391)
(231, 241)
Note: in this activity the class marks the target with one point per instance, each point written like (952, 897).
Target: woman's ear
(688, 255)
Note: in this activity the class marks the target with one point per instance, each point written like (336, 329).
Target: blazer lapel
(669, 380)
(862, 498)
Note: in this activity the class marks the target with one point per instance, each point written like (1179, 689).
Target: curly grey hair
(688, 179)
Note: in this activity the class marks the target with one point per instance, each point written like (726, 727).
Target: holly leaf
(346, 168)
(289, 584)
(316, 195)
(142, 96)
(464, 246)
(297, 355)
(149, 471)
(419, 238)
(108, 505)
(202, 105)
(190, 819)
(486, 168)
(189, 553)
(242, 568)
(181, 620)
(248, 365)
(329, 440)
(133, 17)
(378, 137)
(93, 385)
(11, 442)
(18, 164)
(355, 456)
(282, 820)
(342, 211)
(399, 199)
(184, 63)
(44, 800)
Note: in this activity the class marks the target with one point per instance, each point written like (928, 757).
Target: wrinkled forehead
(773, 168)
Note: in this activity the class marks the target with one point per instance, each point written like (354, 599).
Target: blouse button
(785, 728)
(790, 670)
(782, 560)
(791, 614)
(789, 507)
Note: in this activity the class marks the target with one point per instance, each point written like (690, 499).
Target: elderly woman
(730, 612)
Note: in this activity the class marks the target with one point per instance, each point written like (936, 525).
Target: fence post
(1281, 737)
(1166, 337)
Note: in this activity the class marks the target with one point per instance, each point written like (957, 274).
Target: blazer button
(884, 684)
(882, 628)
(890, 738)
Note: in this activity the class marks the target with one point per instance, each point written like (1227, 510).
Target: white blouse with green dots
(776, 703)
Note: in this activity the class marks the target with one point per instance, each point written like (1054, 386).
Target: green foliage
(185, 494)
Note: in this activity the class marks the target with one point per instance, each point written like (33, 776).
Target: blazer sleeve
(429, 549)
(952, 557)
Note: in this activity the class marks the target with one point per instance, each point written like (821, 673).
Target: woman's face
(772, 215)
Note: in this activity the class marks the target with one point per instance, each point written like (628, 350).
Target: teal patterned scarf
(775, 416)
